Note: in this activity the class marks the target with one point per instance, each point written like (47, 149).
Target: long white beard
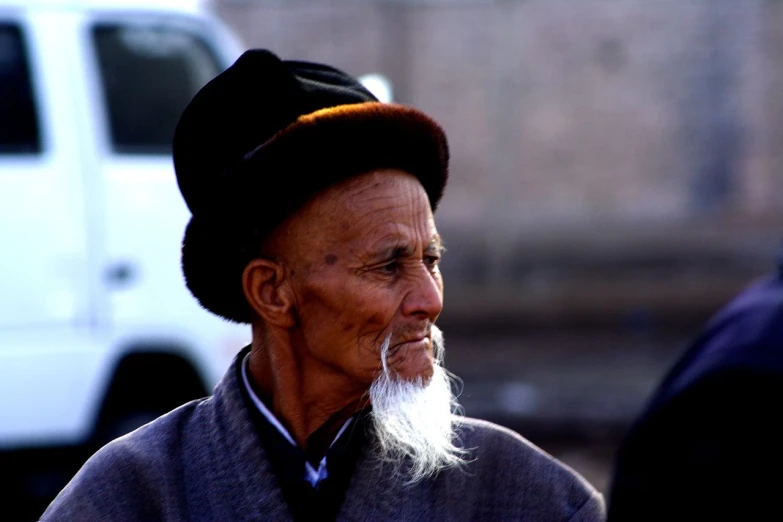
(413, 420)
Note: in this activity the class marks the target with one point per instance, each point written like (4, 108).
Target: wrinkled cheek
(370, 315)
(372, 327)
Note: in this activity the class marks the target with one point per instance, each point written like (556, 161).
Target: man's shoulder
(131, 472)
(510, 466)
(739, 344)
(487, 437)
(493, 432)
(508, 448)
(161, 438)
(749, 327)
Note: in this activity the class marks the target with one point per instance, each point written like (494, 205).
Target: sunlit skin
(356, 263)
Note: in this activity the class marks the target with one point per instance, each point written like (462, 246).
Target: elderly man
(313, 221)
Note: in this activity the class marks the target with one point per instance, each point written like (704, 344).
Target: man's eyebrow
(393, 251)
(436, 244)
(401, 248)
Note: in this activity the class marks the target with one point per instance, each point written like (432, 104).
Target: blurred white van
(97, 330)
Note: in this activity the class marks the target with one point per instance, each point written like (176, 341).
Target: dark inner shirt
(306, 502)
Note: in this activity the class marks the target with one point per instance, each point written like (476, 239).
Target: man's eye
(390, 267)
(431, 261)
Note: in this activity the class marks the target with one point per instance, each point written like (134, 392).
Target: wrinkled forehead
(387, 205)
(373, 191)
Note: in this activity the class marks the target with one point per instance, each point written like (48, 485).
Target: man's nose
(425, 297)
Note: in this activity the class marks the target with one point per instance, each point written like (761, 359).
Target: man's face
(363, 259)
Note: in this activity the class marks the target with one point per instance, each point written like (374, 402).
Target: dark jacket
(204, 461)
(709, 446)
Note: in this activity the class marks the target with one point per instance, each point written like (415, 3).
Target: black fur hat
(261, 139)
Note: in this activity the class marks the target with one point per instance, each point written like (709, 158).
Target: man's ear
(268, 292)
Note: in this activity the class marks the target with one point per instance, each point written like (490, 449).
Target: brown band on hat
(330, 145)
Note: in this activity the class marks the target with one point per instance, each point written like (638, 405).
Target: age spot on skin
(330, 259)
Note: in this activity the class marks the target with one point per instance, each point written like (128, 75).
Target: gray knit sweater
(204, 462)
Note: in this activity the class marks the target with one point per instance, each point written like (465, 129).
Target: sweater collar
(244, 478)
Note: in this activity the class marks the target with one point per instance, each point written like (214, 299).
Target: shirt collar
(312, 475)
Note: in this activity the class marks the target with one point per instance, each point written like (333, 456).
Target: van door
(47, 357)
(41, 211)
(145, 70)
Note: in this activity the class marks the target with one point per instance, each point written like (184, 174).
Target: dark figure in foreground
(313, 222)
(710, 444)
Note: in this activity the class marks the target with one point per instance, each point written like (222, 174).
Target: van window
(149, 75)
(18, 116)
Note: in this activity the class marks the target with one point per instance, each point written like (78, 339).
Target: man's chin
(413, 362)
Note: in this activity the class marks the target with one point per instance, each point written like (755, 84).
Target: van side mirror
(379, 85)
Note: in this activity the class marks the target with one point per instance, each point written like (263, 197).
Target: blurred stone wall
(566, 112)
